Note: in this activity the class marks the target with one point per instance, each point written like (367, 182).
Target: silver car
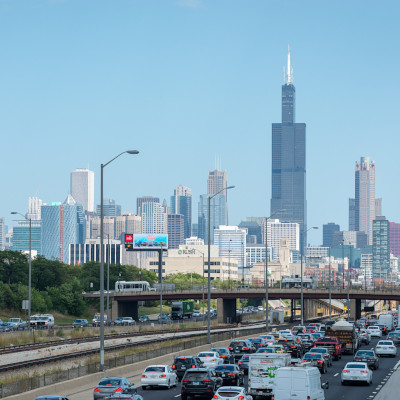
(232, 393)
(356, 372)
(112, 386)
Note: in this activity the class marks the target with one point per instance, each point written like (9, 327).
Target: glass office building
(181, 203)
(217, 215)
(21, 236)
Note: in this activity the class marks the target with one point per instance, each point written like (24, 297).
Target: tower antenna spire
(289, 71)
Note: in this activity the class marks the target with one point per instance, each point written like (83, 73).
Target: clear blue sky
(185, 80)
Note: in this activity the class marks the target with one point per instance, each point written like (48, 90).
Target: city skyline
(223, 89)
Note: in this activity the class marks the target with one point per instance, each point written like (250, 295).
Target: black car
(200, 382)
(293, 346)
(257, 342)
(181, 364)
(244, 363)
(240, 347)
(230, 373)
(369, 357)
(225, 354)
(394, 337)
(307, 340)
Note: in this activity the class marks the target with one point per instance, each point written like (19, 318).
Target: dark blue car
(244, 363)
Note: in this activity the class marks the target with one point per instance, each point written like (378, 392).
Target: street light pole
(301, 272)
(29, 265)
(330, 286)
(108, 278)
(209, 265)
(102, 166)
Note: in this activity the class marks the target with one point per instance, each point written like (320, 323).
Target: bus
(295, 283)
(132, 286)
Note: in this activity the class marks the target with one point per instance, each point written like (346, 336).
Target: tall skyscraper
(34, 209)
(216, 183)
(352, 214)
(365, 196)
(2, 234)
(145, 199)
(176, 223)
(395, 239)
(253, 230)
(378, 207)
(181, 203)
(62, 225)
(327, 235)
(217, 215)
(82, 188)
(154, 218)
(289, 161)
(380, 247)
(110, 208)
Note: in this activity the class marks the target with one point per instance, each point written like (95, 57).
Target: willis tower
(289, 161)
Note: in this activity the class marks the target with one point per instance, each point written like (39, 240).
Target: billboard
(150, 241)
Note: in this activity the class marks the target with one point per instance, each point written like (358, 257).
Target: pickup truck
(332, 344)
(19, 323)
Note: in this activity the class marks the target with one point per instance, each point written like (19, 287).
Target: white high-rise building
(194, 240)
(34, 209)
(277, 230)
(154, 218)
(82, 188)
(2, 233)
(231, 241)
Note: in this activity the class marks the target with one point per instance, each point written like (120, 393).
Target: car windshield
(285, 341)
(225, 368)
(110, 382)
(255, 340)
(312, 356)
(245, 358)
(318, 350)
(155, 369)
(325, 340)
(266, 350)
(206, 355)
(385, 343)
(237, 343)
(362, 353)
(229, 393)
(354, 366)
(196, 375)
(184, 360)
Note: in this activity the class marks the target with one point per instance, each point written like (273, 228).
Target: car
(243, 363)
(225, 354)
(158, 375)
(231, 374)
(316, 360)
(80, 323)
(307, 340)
(4, 327)
(383, 328)
(111, 385)
(394, 337)
(369, 357)
(277, 347)
(365, 336)
(298, 329)
(265, 350)
(239, 347)
(257, 342)
(386, 348)
(50, 397)
(183, 363)
(260, 308)
(125, 396)
(197, 314)
(11, 325)
(356, 372)
(311, 329)
(286, 333)
(232, 393)
(325, 353)
(268, 339)
(293, 346)
(143, 319)
(374, 331)
(124, 321)
(210, 359)
(200, 381)
(317, 335)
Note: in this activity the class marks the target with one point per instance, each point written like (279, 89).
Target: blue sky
(184, 81)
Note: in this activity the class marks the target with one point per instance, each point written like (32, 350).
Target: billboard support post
(160, 279)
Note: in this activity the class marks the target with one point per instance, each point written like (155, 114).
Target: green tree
(13, 267)
(47, 273)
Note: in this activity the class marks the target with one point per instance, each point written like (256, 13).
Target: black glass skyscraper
(289, 161)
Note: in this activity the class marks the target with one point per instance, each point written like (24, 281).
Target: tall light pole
(203, 277)
(301, 272)
(266, 267)
(108, 278)
(30, 265)
(102, 257)
(330, 286)
(209, 264)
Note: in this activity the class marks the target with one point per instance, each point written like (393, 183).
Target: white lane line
(397, 365)
(336, 374)
(178, 395)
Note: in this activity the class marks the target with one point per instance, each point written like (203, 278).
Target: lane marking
(336, 374)
(397, 365)
(178, 395)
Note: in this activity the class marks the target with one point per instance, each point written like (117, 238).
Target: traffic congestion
(330, 360)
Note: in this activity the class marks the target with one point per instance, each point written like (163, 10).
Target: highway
(335, 392)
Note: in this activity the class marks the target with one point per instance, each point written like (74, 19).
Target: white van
(298, 383)
(388, 320)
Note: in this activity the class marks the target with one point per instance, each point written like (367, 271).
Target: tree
(47, 273)
(13, 267)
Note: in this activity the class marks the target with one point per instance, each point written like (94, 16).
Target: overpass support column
(226, 311)
(355, 308)
(114, 310)
(292, 310)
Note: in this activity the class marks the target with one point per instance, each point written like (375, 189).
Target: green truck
(181, 309)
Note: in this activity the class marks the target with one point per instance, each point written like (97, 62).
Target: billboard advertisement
(150, 241)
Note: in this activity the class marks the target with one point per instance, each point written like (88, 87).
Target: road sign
(25, 304)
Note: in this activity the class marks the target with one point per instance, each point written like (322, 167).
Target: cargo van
(298, 383)
(388, 320)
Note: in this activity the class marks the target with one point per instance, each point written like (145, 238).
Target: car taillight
(357, 359)
(193, 366)
(245, 348)
(163, 376)
(391, 347)
(223, 356)
(185, 380)
(239, 362)
(143, 376)
(230, 348)
(96, 390)
(231, 374)
(364, 372)
(346, 371)
(308, 398)
(214, 359)
(292, 345)
(320, 361)
(215, 396)
(371, 359)
(174, 366)
(241, 397)
(207, 380)
(118, 389)
(378, 347)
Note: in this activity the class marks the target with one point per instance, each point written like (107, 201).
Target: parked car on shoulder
(80, 323)
(4, 327)
(124, 321)
(19, 322)
(144, 319)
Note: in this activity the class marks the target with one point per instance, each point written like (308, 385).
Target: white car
(269, 339)
(356, 372)
(260, 308)
(374, 331)
(158, 375)
(210, 359)
(386, 348)
(232, 393)
(287, 334)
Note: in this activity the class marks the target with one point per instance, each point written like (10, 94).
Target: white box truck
(262, 370)
(298, 383)
(388, 320)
